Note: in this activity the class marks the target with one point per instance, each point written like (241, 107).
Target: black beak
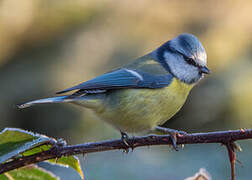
(205, 70)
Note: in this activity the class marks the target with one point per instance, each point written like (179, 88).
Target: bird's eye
(191, 61)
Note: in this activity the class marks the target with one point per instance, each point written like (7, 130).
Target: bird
(144, 94)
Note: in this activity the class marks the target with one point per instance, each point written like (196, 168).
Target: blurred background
(46, 46)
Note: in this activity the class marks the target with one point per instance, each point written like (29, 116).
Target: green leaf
(37, 149)
(69, 161)
(14, 141)
(4, 177)
(31, 172)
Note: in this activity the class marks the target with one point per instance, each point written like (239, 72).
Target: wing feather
(127, 77)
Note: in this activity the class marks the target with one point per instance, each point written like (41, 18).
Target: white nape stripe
(134, 73)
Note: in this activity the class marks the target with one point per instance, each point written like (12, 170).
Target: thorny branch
(227, 138)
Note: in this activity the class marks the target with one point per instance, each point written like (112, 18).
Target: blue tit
(144, 93)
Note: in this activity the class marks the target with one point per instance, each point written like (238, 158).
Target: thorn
(182, 146)
(242, 130)
(237, 147)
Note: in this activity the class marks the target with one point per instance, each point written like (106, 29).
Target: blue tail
(57, 99)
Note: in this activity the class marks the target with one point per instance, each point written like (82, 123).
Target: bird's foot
(168, 130)
(125, 138)
(172, 132)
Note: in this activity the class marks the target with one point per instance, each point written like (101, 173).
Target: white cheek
(180, 68)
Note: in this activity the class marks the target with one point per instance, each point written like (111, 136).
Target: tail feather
(57, 99)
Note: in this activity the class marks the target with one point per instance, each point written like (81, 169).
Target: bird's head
(184, 57)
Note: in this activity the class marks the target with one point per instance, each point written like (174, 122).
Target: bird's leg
(172, 132)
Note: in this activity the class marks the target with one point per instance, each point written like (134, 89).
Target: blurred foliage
(47, 46)
(30, 172)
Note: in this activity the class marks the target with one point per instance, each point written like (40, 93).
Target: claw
(124, 138)
(174, 140)
(173, 133)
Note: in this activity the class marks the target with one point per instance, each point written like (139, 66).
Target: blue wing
(122, 78)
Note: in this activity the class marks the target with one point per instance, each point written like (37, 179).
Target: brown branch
(223, 137)
(232, 157)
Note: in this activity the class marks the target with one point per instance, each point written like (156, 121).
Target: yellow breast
(135, 110)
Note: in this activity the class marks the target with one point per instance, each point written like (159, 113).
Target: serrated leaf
(14, 141)
(31, 172)
(69, 161)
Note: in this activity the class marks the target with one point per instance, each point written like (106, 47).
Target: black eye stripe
(189, 60)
